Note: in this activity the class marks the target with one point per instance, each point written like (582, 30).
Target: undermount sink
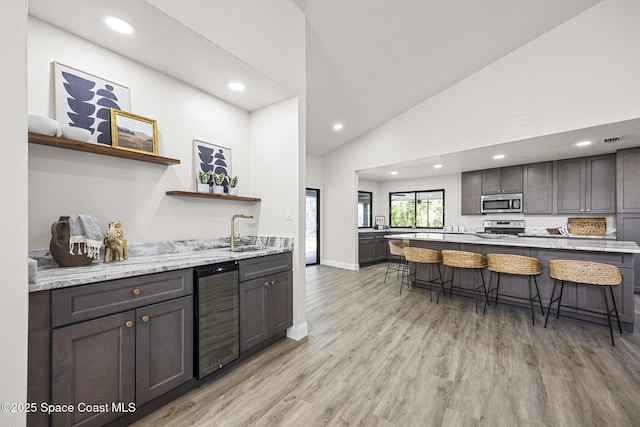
(248, 248)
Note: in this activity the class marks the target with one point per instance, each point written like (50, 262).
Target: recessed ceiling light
(498, 156)
(119, 25)
(394, 172)
(338, 126)
(437, 166)
(583, 143)
(236, 86)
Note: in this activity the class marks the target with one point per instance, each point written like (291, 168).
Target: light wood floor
(377, 358)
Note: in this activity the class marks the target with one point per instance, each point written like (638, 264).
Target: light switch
(289, 213)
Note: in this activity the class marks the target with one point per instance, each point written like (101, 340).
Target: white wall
(13, 198)
(64, 182)
(315, 172)
(580, 74)
(274, 163)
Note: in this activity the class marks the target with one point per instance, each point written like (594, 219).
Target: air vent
(611, 140)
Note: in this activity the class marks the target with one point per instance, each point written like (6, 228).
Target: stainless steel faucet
(235, 239)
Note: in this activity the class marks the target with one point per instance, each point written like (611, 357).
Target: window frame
(415, 207)
(370, 193)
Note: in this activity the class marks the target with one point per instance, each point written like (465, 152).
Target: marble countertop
(148, 259)
(593, 245)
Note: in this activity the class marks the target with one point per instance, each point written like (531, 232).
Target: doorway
(312, 228)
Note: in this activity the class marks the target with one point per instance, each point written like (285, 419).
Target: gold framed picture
(134, 133)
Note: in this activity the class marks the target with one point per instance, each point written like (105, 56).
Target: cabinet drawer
(263, 266)
(70, 305)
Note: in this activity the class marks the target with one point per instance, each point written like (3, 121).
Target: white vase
(233, 191)
(218, 189)
(203, 188)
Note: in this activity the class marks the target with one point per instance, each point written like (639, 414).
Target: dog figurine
(115, 245)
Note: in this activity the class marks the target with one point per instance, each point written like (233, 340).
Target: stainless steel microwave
(502, 203)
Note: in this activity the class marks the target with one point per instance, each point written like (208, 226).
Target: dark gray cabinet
(628, 229)
(502, 180)
(122, 341)
(628, 178)
(372, 247)
(537, 192)
(164, 347)
(366, 248)
(266, 302)
(93, 363)
(471, 193)
(587, 185)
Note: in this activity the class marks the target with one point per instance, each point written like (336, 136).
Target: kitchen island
(515, 288)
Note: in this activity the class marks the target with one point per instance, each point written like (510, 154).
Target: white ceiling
(370, 60)
(162, 43)
(543, 148)
(367, 60)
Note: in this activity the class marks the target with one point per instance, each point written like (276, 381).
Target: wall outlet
(288, 213)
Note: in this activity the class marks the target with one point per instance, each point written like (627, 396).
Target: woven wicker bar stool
(470, 260)
(397, 261)
(586, 273)
(429, 257)
(519, 266)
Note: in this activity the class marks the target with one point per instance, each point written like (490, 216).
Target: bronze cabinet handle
(145, 318)
(266, 283)
(128, 324)
(273, 282)
(137, 291)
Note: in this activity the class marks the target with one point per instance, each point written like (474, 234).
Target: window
(364, 209)
(422, 209)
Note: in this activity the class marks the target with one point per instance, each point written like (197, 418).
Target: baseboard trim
(298, 332)
(338, 264)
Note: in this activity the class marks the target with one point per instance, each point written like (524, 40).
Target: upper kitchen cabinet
(537, 193)
(628, 174)
(471, 192)
(502, 180)
(587, 185)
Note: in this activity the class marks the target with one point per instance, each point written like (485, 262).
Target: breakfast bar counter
(514, 289)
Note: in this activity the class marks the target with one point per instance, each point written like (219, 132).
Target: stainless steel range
(504, 226)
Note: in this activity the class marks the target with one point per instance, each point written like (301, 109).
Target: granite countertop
(151, 258)
(593, 245)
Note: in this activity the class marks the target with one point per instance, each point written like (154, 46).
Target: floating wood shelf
(212, 196)
(70, 144)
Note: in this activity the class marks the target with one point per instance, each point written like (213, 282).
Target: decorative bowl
(42, 125)
(75, 133)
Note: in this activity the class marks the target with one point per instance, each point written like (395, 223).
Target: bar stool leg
(453, 270)
(606, 304)
(560, 300)
(430, 268)
(497, 288)
(538, 294)
(615, 309)
(486, 294)
(533, 319)
(553, 291)
(441, 283)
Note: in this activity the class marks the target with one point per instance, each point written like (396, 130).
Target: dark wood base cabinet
(266, 301)
(115, 346)
(372, 247)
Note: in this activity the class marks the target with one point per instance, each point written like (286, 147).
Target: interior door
(312, 233)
